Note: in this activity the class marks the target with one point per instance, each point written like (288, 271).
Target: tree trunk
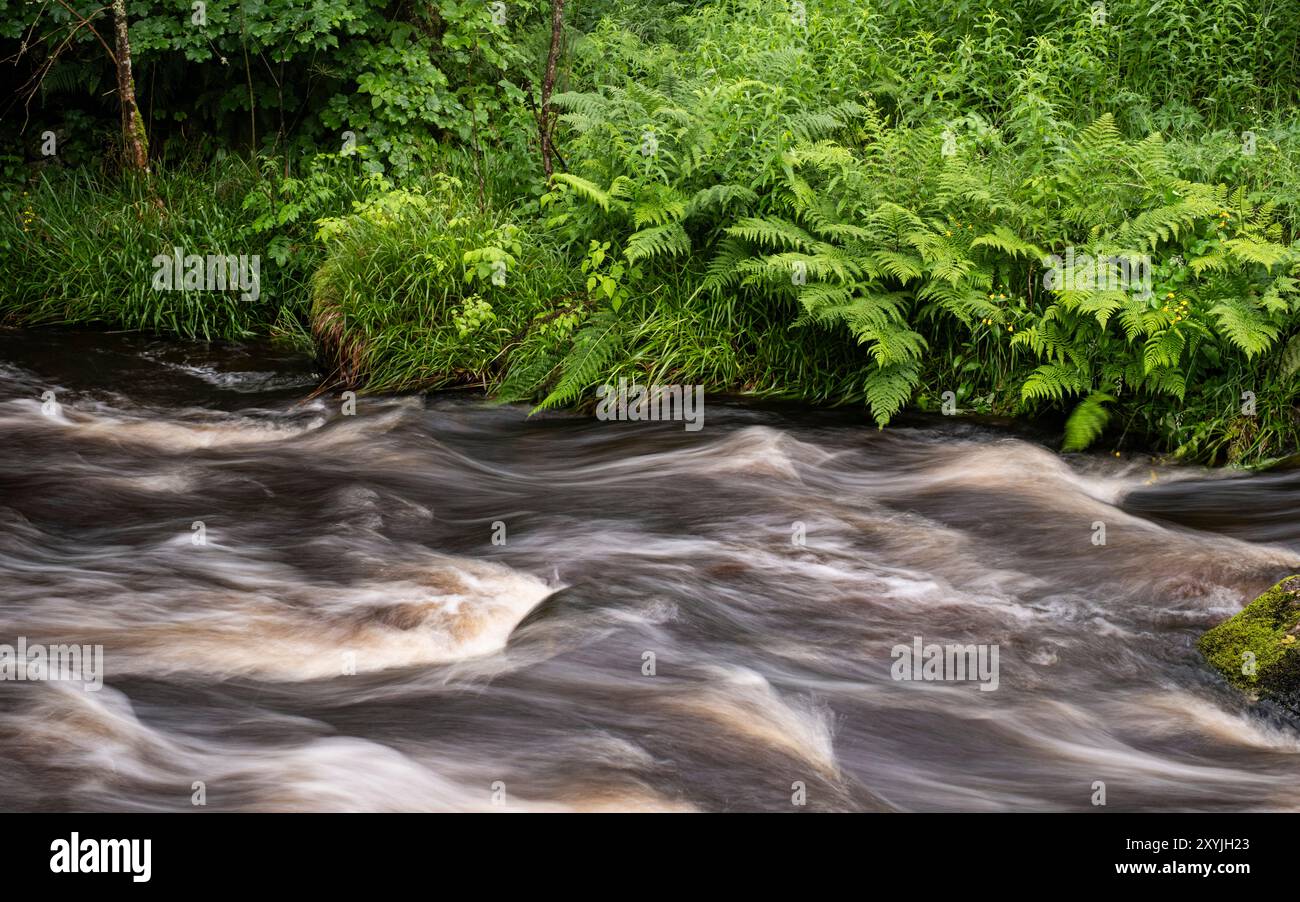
(547, 120)
(136, 144)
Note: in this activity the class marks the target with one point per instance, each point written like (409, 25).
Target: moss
(1258, 650)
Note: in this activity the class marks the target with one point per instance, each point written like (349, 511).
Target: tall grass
(80, 246)
(420, 288)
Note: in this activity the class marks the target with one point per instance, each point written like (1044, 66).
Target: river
(437, 603)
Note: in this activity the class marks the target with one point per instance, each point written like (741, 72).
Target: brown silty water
(443, 604)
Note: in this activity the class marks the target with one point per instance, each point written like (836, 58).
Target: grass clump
(420, 288)
(81, 246)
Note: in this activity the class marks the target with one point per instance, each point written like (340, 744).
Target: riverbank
(1028, 224)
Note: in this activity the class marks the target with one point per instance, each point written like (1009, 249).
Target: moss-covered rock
(1258, 650)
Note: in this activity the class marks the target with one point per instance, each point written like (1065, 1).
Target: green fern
(1245, 326)
(889, 388)
(1087, 421)
(1163, 350)
(593, 348)
(586, 188)
(1054, 382)
(668, 240)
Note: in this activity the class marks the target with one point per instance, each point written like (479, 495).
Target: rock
(1258, 650)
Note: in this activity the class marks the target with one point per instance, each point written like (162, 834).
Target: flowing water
(440, 604)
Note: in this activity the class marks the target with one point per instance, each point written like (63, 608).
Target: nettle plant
(284, 206)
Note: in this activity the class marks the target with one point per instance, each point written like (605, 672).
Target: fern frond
(593, 348)
(668, 240)
(720, 197)
(1164, 349)
(585, 188)
(773, 233)
(658, 205)
(892, 342)
(1245, 327)
(889, 388)
(1052, 381)
(1087, 421)
(1008, 242)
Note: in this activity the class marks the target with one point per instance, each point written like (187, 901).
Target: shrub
(423, 289)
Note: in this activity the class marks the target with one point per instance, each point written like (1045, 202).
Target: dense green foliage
(287, 76)
(839, 201)
(423, 288)
(81, 245)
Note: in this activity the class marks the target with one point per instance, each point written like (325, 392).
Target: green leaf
(1087, 421)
